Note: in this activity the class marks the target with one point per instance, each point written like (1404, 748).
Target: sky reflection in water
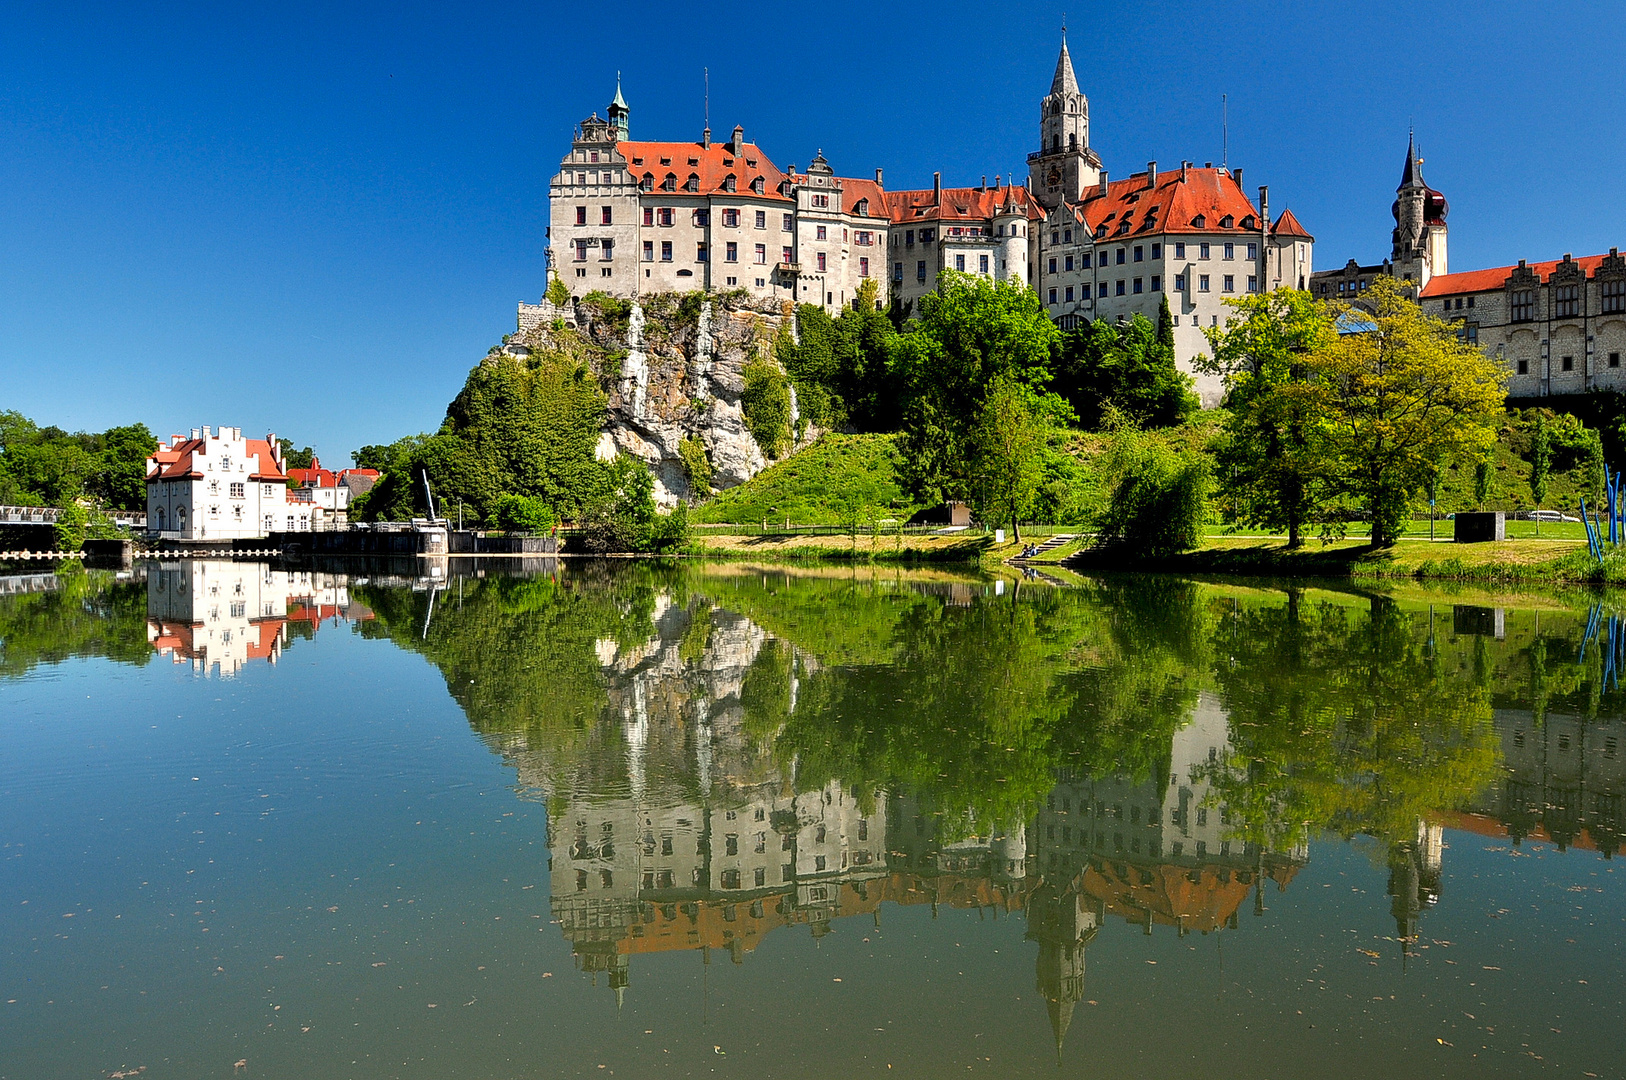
(734, 820)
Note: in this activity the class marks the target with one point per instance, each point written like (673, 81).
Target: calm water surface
(731, 821)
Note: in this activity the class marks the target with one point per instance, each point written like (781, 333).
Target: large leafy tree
(973, 333)
(1268, 458)
(1128, 368)
(49, 466)
(841, 365)
(1397, 396)
(1007, 448)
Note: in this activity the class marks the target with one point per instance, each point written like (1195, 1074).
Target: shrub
(696, 465)
(765, 402)
(71, 525)
(625, 518)
(1159, 495)
(521, 513)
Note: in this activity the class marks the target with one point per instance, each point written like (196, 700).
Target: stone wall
(673, 367)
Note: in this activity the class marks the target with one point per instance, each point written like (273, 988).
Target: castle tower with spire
(1064, 165)
(1420, 233)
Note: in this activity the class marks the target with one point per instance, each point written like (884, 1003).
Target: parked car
(1551, 515)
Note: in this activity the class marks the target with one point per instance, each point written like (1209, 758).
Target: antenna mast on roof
(706, 74)
(1225, 132)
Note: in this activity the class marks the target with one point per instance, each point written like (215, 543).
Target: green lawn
(818, 486)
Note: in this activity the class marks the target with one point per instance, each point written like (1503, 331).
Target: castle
(630, 218)
(1559, 326)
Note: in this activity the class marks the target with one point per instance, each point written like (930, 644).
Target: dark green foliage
(71, 523)
(50, 467)
(1482, 478)
(972, 333)
(624, 517)
(841, 368)
(1541, 460)
(295, 459)
(765, 401)
(696, 465)
(522, 513)
(1127, 366)
(1159, 495)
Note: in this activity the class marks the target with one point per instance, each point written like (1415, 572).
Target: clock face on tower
(1054, 177)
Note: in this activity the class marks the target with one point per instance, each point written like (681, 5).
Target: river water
(641, 820)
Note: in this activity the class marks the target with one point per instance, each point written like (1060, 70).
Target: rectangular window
(1067, 236)
(1121, 288)
(666, 251)
(649, 251)
(920, 270)
(1567, 363)
(1180, 249)
(702, 217)
(666, 215)
(606, 250)
(1253, 283)
(238, 491)
(1202, 282)
(1524, 367)
(762, 254)
(581, 251)
(1121, 253)
(605, 216)
(820, 233)
(1230, 283)
(731, 251)
(1069, 294)
(863, 266)
(897, 271)
(1614, 359)
(700, 252)
(1139, 253)
(785, 255)
(1230, 251)
(1614, 297)
(1157, 251)
(1053, 265)
(581, 215)
(1179, 283)
(1052, 296)
(959, 263)
(762, 219)
(1138, 288)
(982, 264)
(649, 215)
(1253, 251)
(1068, 263)
(1103, 291)
(1524, 305)
(790, 224)
(1156, 282)
(1084, 260)
(1566, 301)
(1202, 251)
(731, 218)
(821, 262)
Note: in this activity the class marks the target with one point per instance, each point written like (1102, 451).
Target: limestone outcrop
(673, 366)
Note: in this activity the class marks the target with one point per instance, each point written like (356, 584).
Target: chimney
(1151, 174)
(738, 145)
(985, 180)
(1208, 164)
(1185, 171)
(1237, 172)
(1103, 183)
(937, 189)
(877, 177)
(705, 138)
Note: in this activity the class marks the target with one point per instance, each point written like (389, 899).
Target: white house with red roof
(215, 485)
(328, 491)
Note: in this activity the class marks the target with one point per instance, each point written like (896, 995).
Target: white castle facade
(630, 218)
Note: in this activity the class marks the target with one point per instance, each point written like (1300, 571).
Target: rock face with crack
(673, 367)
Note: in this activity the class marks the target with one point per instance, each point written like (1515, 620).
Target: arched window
(1055, 142)
(1072, 142)
(728, 182)
(648, 182)
(670, 183)
(693, 183)
(758, 185)
(158, 519)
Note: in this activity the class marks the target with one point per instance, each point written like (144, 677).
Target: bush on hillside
(765, 401)
(521, 513)
(1159, 501)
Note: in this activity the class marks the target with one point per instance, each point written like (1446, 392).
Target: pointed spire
(1065, 81)
(619, 101)
(1413, 172)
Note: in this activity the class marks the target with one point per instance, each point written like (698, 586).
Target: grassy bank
(826, 484)
(839, 548)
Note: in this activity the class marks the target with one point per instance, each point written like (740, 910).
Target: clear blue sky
(316, 219)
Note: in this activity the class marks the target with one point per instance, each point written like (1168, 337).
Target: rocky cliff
(673, 366)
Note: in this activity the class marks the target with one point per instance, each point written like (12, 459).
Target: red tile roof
(315, 476)
(1170, 204)
(1288, 225)
(854, 191)
(175, 462)
(1495, 277)
(960, 204)
(712, 164)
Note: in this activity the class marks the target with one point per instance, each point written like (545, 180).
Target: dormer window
(1100, 230)
(1248, 222)
(666, 161)
(758, 185)
(693, 183)
(861, 207)
(1227, 221)
(694, 161)
(750, 163)
(647, 183)
(1199, 222)
(670, 183)
(728, 163)
(728, 182)
(637, 161)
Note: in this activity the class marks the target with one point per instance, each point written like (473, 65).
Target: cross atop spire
(1065, 81)
(1412, 174)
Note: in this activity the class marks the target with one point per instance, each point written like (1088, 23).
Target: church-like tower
(1420, 233)
(620, 115)
(1064, 165)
